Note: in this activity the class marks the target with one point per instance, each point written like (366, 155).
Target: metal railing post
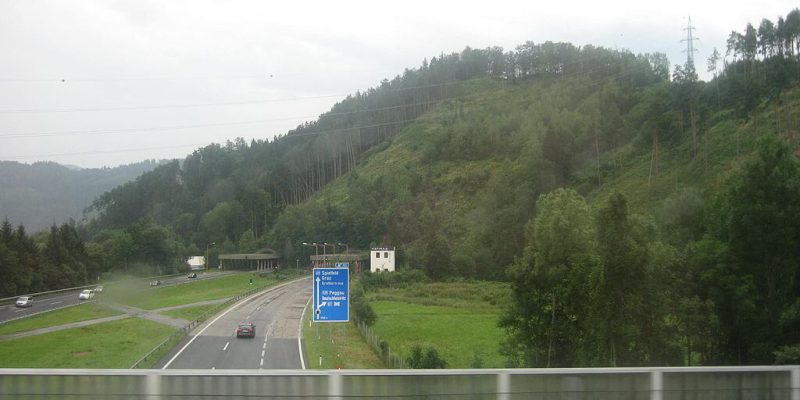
(656, 385)
(334, 386)
(503, 385)
(153, 385)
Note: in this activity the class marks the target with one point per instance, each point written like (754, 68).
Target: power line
(479, 98)
(145, 129)
(196, 105)
(208, 125)
(81, 153)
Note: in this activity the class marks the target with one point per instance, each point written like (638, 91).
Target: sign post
(331, 295)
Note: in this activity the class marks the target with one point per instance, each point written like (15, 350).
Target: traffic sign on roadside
(342, 265)
(331, 294)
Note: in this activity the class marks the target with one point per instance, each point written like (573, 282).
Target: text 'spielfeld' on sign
(331, 295)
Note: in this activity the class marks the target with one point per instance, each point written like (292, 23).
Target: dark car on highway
(246, 329)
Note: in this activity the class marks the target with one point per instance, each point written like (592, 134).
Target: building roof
(263, 254)
(250, 256)
(340, 257)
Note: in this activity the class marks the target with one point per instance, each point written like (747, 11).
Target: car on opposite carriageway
(25, 301)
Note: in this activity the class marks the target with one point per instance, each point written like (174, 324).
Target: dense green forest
(642, 217)
(52, 260)
(41, 194)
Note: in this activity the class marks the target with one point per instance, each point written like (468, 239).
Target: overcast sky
(99, 83)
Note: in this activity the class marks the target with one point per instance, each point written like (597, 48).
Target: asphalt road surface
(276, 314)
(40, 304)
(65, 299)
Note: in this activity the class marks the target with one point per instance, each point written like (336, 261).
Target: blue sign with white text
(331, 295)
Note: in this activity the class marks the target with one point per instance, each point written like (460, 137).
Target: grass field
(83, 312)
(201, 290)
(190, 313)
(459, 319)
(116, 344)
(340, 345)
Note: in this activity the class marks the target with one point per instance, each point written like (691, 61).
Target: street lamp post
(207, 246)
(316, 250)
(346, 251)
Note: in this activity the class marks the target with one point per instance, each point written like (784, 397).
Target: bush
(429, 360)
(362, 311)
(398, 279)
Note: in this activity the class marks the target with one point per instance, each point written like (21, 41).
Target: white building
(196, 263)
(381, 259)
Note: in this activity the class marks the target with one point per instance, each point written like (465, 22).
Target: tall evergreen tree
(760, 223)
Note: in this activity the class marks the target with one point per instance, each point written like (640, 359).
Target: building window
(377, 254)
(386, 254)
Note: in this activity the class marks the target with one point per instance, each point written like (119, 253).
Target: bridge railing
(772, 382)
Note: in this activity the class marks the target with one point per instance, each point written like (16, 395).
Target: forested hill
(227, 193)
(41, 194)
(455, 153)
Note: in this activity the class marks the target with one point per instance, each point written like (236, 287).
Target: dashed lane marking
(226, 346)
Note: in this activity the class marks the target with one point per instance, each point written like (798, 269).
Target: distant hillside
(45, 193)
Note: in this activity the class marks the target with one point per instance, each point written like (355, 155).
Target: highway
(40, 304)
(276, 314)
(54, 301)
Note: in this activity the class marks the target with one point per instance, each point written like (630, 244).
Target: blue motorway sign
(331, 294)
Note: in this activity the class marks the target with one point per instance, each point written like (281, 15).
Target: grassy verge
(459, 319)
(190, 313)
(172, 341)
(201, 290)
(116, 344)
(83, 312)
(464, 338)
(339, 344)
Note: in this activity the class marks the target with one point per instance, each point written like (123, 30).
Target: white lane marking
(213, 367)
(235, 306)
(226, 346)
(57, 302)
(262, 363)
(262, 353)
(300, 335)
(20, 310)
(264, 346)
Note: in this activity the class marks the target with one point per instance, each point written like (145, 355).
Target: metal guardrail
(94, 285)
(40, 294)
(773, 382)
